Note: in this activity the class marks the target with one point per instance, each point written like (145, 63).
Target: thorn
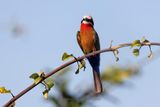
(111, 44)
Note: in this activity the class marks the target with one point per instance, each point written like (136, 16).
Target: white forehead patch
(88, 17)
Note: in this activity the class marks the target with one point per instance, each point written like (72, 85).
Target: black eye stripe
(88, 20)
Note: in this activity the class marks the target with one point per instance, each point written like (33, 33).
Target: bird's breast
(87, 40)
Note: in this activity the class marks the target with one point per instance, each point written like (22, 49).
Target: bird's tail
(95, 62)
(97, 80)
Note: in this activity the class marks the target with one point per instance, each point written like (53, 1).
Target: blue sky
(50, 29)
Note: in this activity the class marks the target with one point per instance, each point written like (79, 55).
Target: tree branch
(110, 49)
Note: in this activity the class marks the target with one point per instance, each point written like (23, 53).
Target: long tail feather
(95, 62)
(97, 81)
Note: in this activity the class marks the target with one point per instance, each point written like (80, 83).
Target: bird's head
(87, 20)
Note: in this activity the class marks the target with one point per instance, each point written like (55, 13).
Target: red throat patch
(86, 26)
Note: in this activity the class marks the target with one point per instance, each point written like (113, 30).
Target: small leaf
(115, 53)
(136, 43)
(12, 104)
(117, 59)
(49, 83)
(37, 80)
(41, 74)
(136, 52)
(143, 39)
(66, 56)
(37, 77)
(82, 64)
(151, 53)
(146, 41)
(150, 56)
(45, 94)
(34, 76)
(77, 71)
(3, 90)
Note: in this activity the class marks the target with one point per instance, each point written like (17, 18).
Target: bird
(89, 42)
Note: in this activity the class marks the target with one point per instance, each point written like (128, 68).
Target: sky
(49, 30)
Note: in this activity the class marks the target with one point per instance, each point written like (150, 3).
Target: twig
(111, 49)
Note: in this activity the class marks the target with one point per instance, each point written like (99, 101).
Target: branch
(110, 49)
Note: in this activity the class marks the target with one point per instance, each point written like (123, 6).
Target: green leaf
(37, 77)
(37, 80)
(41, 74)
(12, 104)
(34, 76)
(77, 71)
(49, 83)
(45, 94)
(115, 53)
(145, 40)
(66, 56)
(136, 43)
(3, 90)
(82, 64)
(136, 52)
